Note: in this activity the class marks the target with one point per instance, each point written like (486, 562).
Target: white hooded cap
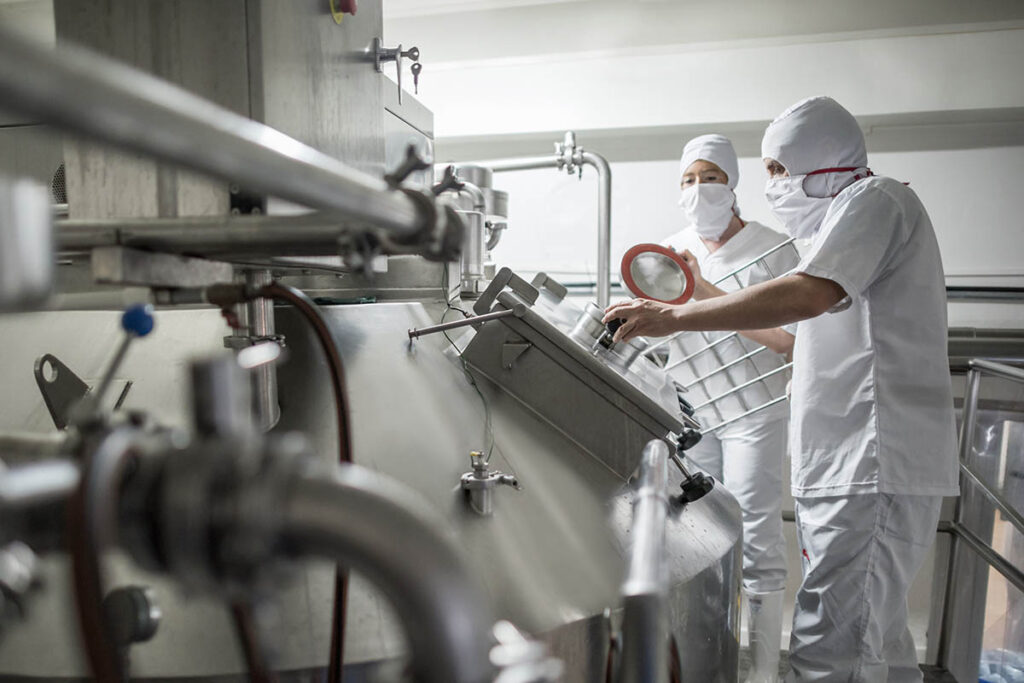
(714, 148)
(815, 133)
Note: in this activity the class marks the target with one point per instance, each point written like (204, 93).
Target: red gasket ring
(627, 278)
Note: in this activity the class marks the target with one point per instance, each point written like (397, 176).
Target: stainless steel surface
(221, 399)
(125, 266)
(608, 410)
(26, 243)
(355, 517)
(645, 643)
(261, 331)
(545, 557)
(97, 97)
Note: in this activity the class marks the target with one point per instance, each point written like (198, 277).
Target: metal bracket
(510, 351)
(61, 388)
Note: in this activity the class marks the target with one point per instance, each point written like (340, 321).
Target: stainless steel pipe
(571, 158)
(81, 91)
(264, 378)
(604, 226)
(212, 237)
(354, 517)
(645, 645)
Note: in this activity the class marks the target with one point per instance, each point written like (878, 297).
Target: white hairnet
(714, 148)
(814, 134)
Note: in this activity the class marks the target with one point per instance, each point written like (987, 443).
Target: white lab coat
(746, 456)
(871, 435)
(872, 402)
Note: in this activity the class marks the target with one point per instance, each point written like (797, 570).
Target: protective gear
(872, 402)
(817, 133)
(860, 555)
(822, 148)
(709, 208)
(800, 213)
(765, 631)
(714, 148)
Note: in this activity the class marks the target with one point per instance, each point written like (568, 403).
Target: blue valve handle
(137, 320)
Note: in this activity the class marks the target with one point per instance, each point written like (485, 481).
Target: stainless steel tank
(566, 421)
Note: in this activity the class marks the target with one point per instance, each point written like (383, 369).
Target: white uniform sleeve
(782, 262)
(859, 240)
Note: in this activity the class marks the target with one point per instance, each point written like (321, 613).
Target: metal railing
(713, 346)
(970, 480)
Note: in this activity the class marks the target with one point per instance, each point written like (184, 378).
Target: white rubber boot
(765, 631)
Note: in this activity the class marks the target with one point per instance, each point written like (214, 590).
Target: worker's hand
(700, 285)
(643, 318)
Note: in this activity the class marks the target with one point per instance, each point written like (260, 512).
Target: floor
(932, 674)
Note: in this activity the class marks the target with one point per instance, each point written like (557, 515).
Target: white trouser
(859, 556)
(747, 458)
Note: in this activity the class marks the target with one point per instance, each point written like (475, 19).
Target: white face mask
(709, 207)
(800, 215)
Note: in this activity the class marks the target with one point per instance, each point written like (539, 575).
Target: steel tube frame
(604, 204)
(212, 237)
(760, 378)
(644, 620)
(985, 551)
(959, 532)
(354, 517)
(81, 91)
(720, 280)
(769, 404)
(725, 367)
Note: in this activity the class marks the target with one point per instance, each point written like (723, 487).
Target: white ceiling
(470, 30)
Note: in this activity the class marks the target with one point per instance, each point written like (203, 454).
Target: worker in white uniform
(871, 431)
(747, 454)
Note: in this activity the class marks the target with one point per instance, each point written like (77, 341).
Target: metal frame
(100, 98)
(960, 534)
(572, 158)
(712, 346)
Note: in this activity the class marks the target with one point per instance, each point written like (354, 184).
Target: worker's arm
(775, 338)
(774, 303)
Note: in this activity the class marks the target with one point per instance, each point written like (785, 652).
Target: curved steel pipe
(604, 225)
(577, 157)
(354, 518)
(81, 91)
(645, 644)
